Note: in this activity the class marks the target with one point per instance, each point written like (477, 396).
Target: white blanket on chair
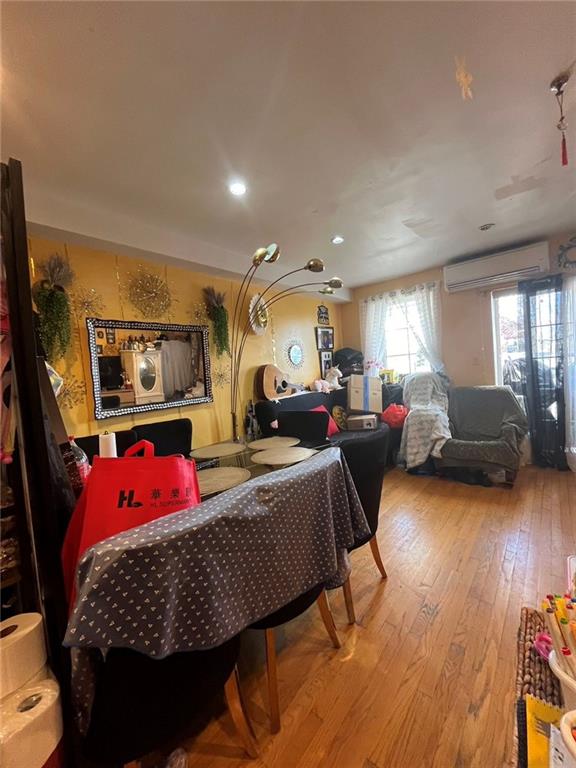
(426, 428)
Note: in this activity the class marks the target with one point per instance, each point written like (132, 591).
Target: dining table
(191, 580)
(223, 465)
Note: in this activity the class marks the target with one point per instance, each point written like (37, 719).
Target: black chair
(90, 444)
(142, 703)
(176, 439)
(169, 437)
(366, 460)
(310, 427)
(288, 612)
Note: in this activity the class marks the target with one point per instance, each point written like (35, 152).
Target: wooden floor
(426, 677)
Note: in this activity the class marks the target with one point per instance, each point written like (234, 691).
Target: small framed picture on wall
(324, 337)
(325, 356)
(323, 316)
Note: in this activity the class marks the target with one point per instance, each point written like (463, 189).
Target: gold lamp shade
(315, 265)
(258, 257)
(272, 253)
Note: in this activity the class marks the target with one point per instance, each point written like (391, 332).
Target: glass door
(527, 326)
(509, 339)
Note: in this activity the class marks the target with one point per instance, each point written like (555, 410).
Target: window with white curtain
(403, 351)
(401, 330)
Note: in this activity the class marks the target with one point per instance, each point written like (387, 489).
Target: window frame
(511, 290)
(409, 352)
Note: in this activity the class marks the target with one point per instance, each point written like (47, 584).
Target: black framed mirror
(140, 366)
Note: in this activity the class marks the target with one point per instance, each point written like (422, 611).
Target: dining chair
(290, 611)
(310, 427)
(366, 460)
(176, 439)
(141, 703)
(366, 457)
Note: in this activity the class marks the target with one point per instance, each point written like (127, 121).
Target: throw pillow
(340, 417)
(332, 426)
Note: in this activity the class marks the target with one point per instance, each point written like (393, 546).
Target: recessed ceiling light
(337, 240)
(484, 227)
(237, 188)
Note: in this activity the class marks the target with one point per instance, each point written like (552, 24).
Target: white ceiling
(130, 118)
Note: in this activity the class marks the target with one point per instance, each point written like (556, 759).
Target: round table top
(221, 479)
(217, 450)
(282, 456)
(272, 442)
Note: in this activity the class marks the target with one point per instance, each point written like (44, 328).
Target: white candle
(107, 445)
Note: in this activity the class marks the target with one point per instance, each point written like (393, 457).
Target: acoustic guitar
(271, 383)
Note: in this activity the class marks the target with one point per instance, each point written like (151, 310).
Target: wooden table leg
(238, 714)
(328, 619)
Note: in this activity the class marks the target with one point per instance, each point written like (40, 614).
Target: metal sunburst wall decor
(148, 293)
(220, 377)
(198, 314)
(72, 393)
(258, 314)
(86, 301)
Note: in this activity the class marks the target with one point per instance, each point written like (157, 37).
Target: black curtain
(543, 380)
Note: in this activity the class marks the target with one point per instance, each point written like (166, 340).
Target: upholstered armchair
(488, 425)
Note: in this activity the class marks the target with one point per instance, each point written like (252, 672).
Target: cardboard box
(365, 394)
(367, 421)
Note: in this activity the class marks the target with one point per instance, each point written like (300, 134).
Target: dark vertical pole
(37, 463)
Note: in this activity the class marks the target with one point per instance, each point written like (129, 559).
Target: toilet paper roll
(22, 651)
(107, 445)
(30, 725)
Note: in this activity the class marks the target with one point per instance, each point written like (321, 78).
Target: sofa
(267, 412)
(169, 437)
(488, 426)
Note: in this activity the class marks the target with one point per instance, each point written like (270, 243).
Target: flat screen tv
(110, 368)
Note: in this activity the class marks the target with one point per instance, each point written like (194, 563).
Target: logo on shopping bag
(127, 500)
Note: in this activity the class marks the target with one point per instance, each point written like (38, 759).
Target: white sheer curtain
(569, 333)
(420, 306)
(373, 312)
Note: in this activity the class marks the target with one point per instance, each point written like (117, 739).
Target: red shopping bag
(395, 415)
(123, 493)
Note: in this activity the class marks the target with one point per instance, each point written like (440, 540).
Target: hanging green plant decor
(218, 314)
(54, 319)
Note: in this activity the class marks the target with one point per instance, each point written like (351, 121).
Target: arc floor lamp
(241, 326)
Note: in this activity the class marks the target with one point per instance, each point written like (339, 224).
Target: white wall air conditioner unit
(504, 267)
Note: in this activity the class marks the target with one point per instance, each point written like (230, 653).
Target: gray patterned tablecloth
(194, 579)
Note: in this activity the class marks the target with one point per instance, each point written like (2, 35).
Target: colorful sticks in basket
(560, 614)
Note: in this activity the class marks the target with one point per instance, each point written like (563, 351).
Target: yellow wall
(466, 323)
(106, 273)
